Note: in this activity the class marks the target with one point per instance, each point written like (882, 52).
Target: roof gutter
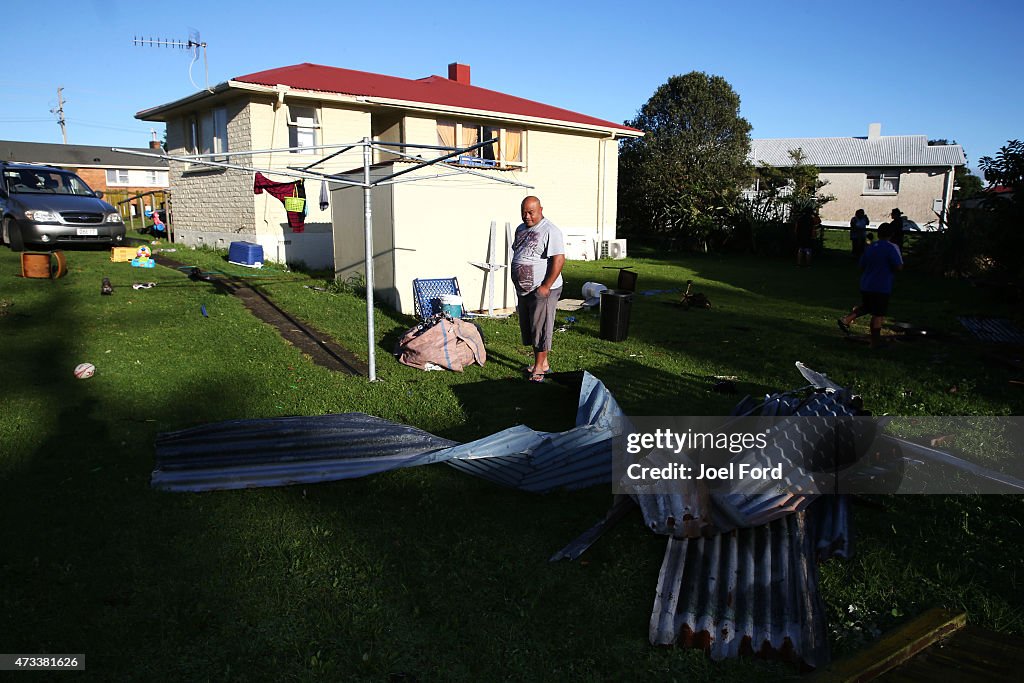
(500, 116)
(159, 113)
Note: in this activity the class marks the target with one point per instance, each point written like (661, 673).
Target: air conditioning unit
(613, 249)
(579, 247)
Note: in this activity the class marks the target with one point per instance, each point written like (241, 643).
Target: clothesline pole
(368, 241)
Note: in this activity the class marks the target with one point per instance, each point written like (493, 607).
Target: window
(117, 176)
(882, 183)
(207, 133)
(505, 152)
(152, 177)
(302, 126)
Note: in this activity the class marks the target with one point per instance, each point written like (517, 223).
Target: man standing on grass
(879, 264)
(538, 253)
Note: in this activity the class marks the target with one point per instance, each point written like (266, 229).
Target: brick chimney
(154, 144)
(874, 131)
(458, 73)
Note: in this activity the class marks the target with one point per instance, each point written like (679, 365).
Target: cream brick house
(876, 173)
(430, 228)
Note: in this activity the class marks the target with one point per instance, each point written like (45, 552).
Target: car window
(29, 181)
(23, 181)
(72, 184)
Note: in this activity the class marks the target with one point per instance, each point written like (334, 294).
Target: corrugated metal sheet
(696, 510)
(752, 590)
(996, 330)
(292, 450)
(887, 150)
(749, 592)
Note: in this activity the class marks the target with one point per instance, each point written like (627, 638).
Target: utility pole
(59, 111)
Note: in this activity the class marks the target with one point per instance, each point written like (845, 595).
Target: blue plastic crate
(246, 254)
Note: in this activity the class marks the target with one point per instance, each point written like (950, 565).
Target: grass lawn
(430, 573)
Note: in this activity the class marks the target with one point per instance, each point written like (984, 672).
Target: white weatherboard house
(423, 229)
(877, 173)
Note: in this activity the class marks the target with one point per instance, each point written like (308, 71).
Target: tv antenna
(193, 44)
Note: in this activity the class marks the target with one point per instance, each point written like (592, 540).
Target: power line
(80, 122)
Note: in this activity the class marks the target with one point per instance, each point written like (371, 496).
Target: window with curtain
(117, 176)
(302, 126)
(505, 152)
(882, 183)
(207, 133)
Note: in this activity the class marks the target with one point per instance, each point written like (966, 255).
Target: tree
(761, 218)
(1007, 169)
(680, 178)
(966, 184)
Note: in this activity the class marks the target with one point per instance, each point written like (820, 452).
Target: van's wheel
(12, 235)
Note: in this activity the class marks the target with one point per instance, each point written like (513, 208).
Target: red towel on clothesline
(296, 219)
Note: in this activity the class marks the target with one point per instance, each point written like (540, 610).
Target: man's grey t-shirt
(530, 252)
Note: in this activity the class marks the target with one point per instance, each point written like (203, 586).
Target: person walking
(879, 264)
(538, 254)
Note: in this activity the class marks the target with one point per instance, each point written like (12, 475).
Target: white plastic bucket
(592, 290)
(452, 305)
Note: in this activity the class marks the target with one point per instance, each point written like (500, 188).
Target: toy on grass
(143, 258)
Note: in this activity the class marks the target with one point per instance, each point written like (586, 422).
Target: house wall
(918, 189)
(435, 228)
(349, 254)
(96, 178)
(442, 226)
(212, 206)
(216, 207)
(574, 174)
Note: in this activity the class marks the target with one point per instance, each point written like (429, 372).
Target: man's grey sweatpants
(537, 318)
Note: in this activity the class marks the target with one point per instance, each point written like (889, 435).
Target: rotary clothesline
(349, 178)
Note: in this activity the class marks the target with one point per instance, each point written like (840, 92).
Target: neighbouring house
(877, 173)
(433, 227)
(117, 174)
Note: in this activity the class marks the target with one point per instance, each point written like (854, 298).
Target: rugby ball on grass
(85, 370)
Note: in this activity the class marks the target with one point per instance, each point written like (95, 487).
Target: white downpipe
(281, 90)
(602, 189)
(371, 358)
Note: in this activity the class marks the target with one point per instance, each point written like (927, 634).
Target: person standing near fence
(896, 224)
(804, 232)
(538, 254)
(858, 233)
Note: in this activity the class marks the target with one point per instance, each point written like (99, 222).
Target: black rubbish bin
(615, 307)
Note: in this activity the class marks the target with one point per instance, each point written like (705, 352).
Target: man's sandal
(843, 326)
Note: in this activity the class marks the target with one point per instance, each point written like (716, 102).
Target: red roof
(431, 90)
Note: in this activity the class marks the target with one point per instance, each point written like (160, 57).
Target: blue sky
(802, 69)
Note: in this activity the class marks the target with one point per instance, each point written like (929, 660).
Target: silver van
(50, 207)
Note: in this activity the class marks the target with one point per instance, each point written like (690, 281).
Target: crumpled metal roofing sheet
(697, 511)
(748, 592)
(998, 330)
(292, 450)
(886, 150)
